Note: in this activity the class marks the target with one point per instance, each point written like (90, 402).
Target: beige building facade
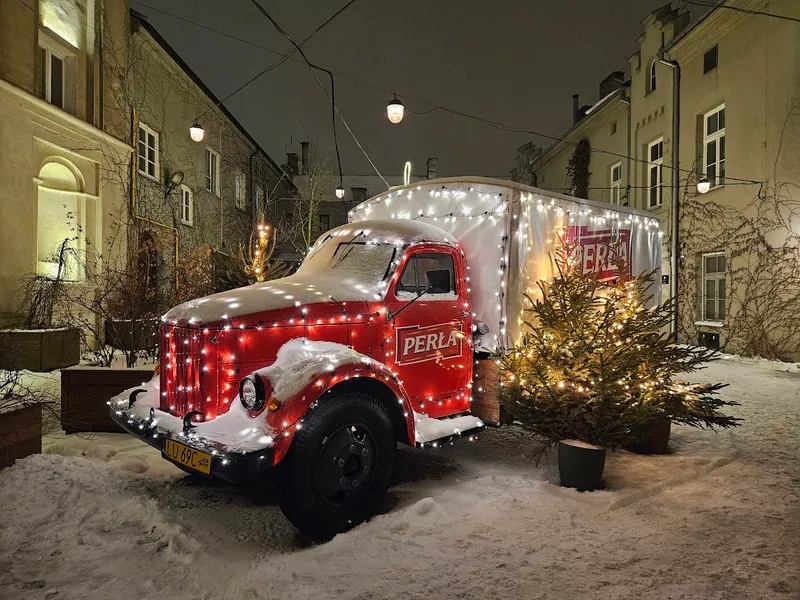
(59, 135)
(738, 123)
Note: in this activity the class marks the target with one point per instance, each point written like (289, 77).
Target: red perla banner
(417, 344)
(598, 249)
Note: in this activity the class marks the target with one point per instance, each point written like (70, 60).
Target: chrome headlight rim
(258, 393)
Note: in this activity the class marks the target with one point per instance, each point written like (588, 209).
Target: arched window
(651, 81)
(61, 221)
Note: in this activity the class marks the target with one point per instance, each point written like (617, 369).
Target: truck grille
(198, 371)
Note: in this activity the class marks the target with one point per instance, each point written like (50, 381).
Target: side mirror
(438, 281)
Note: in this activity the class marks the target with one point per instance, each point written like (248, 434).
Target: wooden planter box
(85, 391)
(486, 391)
(39, 350)
(20, 434)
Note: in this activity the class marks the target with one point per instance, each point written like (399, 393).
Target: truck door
(429, 338)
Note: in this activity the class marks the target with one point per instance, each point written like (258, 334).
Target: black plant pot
(581, 465)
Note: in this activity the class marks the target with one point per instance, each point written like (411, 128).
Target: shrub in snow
(595, 365)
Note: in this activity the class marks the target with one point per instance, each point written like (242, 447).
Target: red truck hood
(293, 291)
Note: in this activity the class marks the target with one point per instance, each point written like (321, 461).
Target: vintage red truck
(383, 335)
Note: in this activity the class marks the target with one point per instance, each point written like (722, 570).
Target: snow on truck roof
(491, 185)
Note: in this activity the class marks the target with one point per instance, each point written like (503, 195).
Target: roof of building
(142, 19)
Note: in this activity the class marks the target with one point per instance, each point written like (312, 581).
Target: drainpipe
(676, 180)
(627, 101)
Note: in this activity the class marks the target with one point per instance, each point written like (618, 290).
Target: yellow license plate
(188, 457)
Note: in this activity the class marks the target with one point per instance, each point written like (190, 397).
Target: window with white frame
(714, 146)
(240, 192)
(615, 178)
(148, 151)
(212, 171)
(655, 172)
(651, 77)
(187, 206)
(54, 73)
(713, 307)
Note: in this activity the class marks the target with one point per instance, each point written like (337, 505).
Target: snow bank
(716, 519)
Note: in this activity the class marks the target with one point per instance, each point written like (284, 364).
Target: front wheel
(338, 469)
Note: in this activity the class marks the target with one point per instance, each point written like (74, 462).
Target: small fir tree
(596, 365)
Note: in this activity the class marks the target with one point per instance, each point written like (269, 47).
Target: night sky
(513, 61)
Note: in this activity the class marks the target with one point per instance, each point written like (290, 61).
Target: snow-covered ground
(719, 518)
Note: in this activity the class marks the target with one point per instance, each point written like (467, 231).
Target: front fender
(288, 418)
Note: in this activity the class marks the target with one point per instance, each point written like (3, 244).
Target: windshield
(365, 262)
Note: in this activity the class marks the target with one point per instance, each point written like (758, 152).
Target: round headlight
(251, 392)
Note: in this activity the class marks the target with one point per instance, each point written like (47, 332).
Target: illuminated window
(714, 287)
(187, 206)
(655, 173)
(714, 146)
(55, 71)
(616, 183)
(212, 171)
(148, 151)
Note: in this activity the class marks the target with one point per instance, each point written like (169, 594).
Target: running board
(432, 433)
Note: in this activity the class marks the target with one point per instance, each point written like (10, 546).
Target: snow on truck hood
(346, 264)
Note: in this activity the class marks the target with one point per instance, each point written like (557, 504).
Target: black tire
(337, 471)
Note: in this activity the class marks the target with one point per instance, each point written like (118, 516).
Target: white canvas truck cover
(508, 232)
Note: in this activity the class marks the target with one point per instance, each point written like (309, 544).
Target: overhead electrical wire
(741, 10)
(489, 122)
(332, 97)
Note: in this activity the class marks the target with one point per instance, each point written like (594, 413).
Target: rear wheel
(338, 469)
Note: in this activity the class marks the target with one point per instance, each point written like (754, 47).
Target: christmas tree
(595, 364)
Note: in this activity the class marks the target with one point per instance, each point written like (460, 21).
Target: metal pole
(676, 180)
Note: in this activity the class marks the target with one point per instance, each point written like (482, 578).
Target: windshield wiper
(347, 251)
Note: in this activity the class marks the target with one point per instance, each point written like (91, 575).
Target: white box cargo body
(508, 232)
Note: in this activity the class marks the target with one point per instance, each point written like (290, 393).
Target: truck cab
(318, 375)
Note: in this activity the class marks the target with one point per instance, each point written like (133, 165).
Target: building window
(710, 60)
(187, 206)
(651, 77)
(616, 183)
(240, 193)
(714, 145)
(148, 151)
(714, 287)
(288, 218)
(324, 223)
(259, 199)
(212, 171)
(655, 173)
(613, 128)
(359, 194)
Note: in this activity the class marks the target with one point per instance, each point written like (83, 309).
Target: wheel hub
(345, 463)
